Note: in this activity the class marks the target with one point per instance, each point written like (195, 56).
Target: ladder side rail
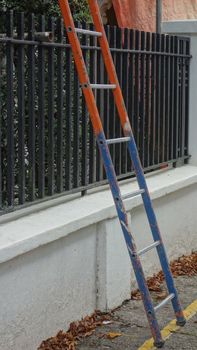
(113, 79)
(119, 101)
(103, 147)
(156, 233)
(131, 247)
(80, 65)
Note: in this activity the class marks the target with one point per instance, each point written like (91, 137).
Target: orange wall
(140, 14)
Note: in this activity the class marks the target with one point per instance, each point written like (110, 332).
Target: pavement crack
(128, 325)
(138, 325)
(184, 333)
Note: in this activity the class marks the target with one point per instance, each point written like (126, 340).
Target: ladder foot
(181, 323)
(159, 344)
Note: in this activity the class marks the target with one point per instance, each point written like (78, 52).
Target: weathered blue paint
(155, 229)
(146, 297)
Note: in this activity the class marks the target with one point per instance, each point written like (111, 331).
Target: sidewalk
(130, 326)
(126, 328)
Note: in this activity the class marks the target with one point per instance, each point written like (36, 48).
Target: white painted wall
(43, 291)
(65, 272)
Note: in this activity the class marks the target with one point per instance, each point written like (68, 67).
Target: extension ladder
(128, 138)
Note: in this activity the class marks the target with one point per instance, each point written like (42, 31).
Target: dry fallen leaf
(184, 266)
(112, 335)
(162, 295)
(77, 331)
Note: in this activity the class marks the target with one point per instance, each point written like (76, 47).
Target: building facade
(141, 14)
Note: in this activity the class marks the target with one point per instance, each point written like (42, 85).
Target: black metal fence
(47, 144)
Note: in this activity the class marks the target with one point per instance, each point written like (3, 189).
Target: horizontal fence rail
(47, 144)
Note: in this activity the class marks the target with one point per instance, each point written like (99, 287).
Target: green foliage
(79, 7)
(25, 5)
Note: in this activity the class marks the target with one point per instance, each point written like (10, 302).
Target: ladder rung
(88, 32)
(103, 86)
(133, 194)
(164, 302)
(145, 250)
(120, 140)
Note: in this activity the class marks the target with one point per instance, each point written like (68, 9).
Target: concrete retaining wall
(77, 260)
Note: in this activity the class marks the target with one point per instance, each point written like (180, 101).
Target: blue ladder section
(158, 243)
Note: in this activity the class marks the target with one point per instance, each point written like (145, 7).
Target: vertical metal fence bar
(137, 88)
(118, 129)
(176, 104)
(163, 100)
(142, 99)
(167, 109)
(68, 116)
(102, 111)
(84, 135)
(99, 94)
(112, 109)
(125, 90)
(51, 145)
(148, 102)
(122, 83)
(107, 100)
(153, 100)
(183, 100)
(31, 109)
(107, 117)
(76, 124)
(131, 88)
(41, 113)
(60, 105)
(92, 142)
(180, 80)
(172, 97)
(158, 99)
(21, 111)
(10, 111)
(187, 100)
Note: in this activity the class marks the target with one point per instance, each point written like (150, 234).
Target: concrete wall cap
(32, 231)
